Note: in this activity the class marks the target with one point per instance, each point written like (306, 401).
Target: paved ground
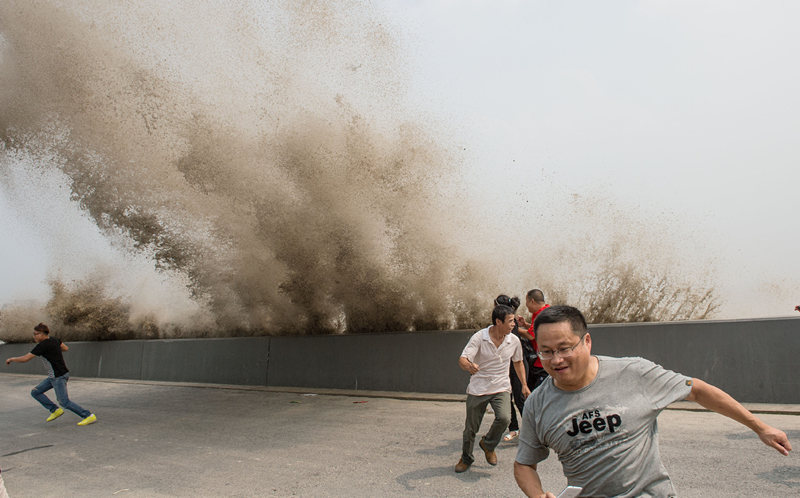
(157, 440)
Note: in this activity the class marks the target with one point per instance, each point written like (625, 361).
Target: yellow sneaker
(54, 415)
(88, 420)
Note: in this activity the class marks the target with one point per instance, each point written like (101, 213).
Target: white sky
(687, 111)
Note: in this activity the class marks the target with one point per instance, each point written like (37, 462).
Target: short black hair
(42, 328)
(557, 314)
(500, 312)
(535, 295)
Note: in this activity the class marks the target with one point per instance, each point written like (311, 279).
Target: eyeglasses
(562, 352)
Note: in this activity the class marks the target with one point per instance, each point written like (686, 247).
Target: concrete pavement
(160, 439)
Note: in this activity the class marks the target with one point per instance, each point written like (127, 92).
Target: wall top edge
(433, 332)
(695, 322)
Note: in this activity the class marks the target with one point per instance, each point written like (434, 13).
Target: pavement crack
(27, 449)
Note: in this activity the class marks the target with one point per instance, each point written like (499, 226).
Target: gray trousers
(476, 408)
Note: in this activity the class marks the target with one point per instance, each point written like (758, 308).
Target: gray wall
(753, 360)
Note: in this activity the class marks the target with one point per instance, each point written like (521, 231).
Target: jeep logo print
(592, 421)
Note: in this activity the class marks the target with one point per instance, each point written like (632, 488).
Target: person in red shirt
(535, 303)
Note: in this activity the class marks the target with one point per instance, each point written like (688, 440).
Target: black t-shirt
(50, 350)
(527, 348)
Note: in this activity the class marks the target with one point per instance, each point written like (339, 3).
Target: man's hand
(775, 438)
(20, 359)
(522, 323)
(525, 392)
(467, 365)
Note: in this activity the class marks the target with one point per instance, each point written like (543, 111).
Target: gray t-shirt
(605, 434)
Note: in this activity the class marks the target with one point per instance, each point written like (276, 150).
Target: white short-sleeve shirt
(493, 362)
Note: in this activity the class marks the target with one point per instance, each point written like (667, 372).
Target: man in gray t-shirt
(599, 414)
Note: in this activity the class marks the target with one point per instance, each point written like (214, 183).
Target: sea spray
(306, 211)
(264, 162)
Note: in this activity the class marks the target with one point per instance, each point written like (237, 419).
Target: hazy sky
(685, 112)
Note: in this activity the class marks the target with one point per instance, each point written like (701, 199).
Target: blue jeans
(60, 386)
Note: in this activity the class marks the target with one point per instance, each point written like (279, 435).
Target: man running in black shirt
(49, 349)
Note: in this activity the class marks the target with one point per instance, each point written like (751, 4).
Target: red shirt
(538, 362)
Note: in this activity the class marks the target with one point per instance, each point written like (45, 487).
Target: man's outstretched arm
(529, 482)
(20, 359)
(717, 400)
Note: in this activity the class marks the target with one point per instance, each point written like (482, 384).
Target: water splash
(285, 197)
(254, 169)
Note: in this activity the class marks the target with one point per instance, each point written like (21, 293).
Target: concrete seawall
(753, 360)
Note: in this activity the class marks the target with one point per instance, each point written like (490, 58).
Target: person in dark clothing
(517, 397)
(535, 303)
(50, 349)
